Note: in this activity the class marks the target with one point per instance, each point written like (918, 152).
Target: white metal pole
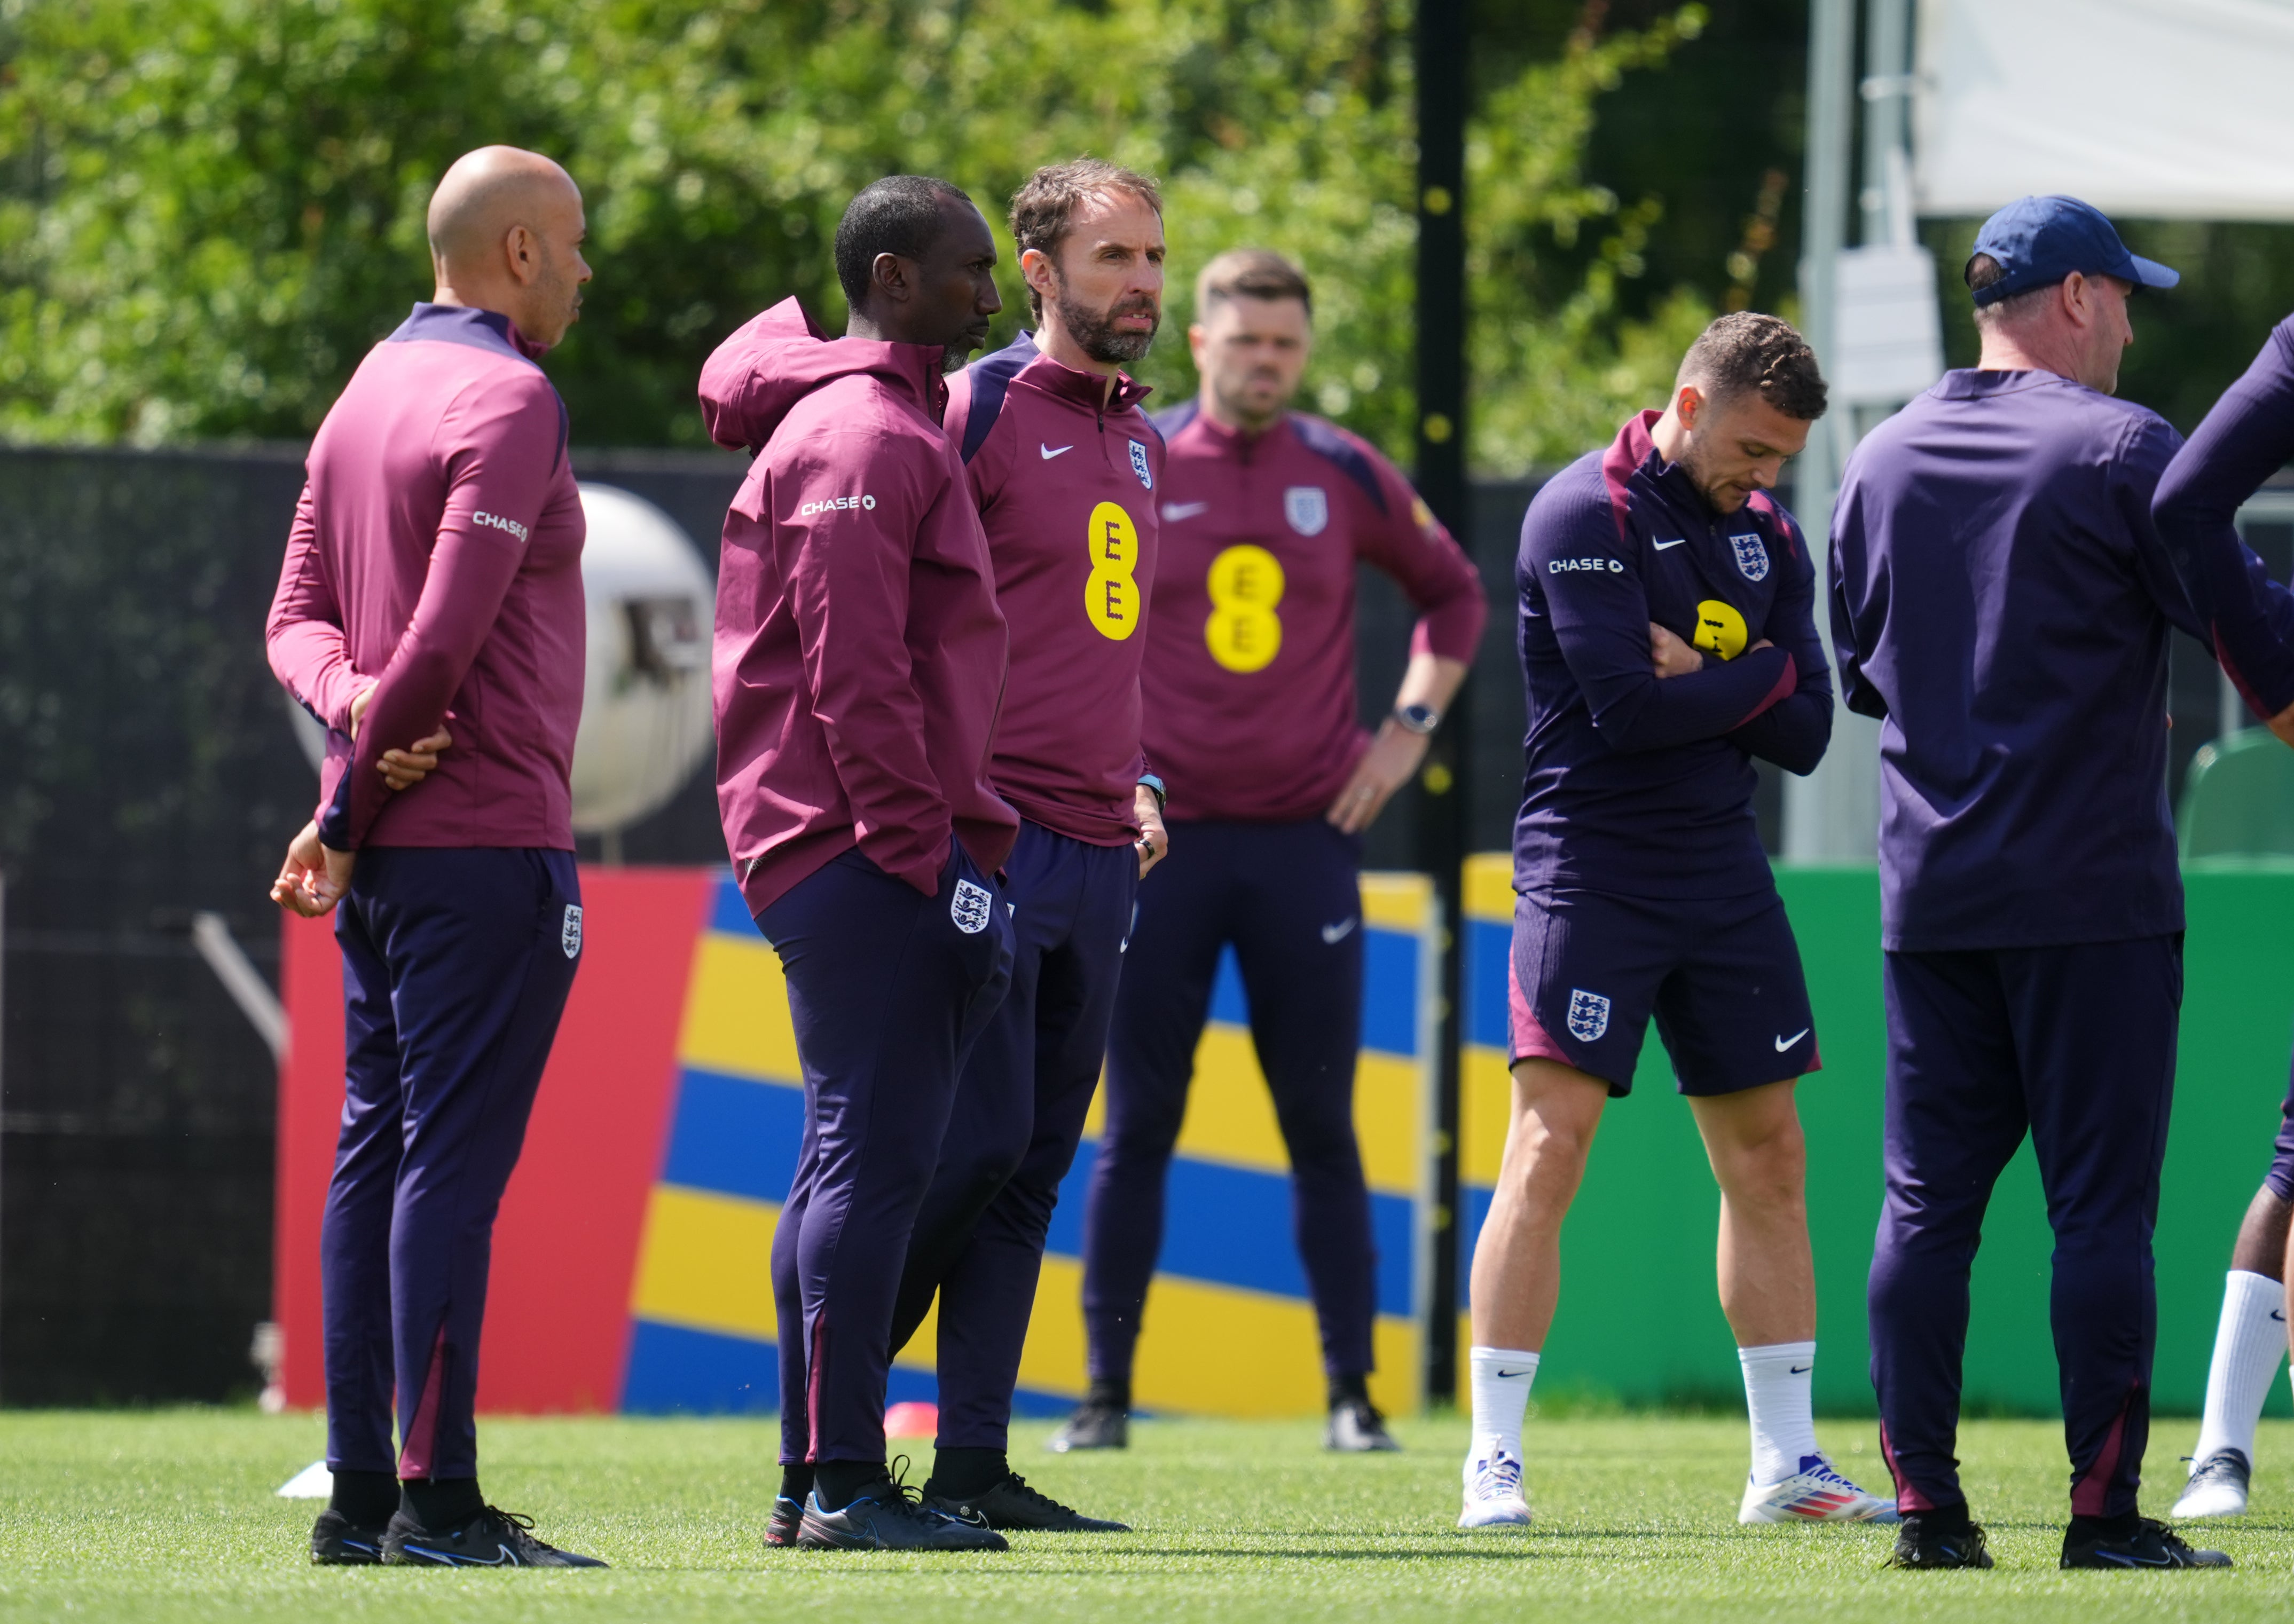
(1832, 815)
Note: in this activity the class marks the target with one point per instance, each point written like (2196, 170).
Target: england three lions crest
(1751, 556)
(569, 934)
(1139, 465)
(1307, 507)
(967, 910)
(1589, 1016)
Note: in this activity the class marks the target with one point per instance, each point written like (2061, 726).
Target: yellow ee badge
(1111, 595)
(1244, 632)
(1719, 629)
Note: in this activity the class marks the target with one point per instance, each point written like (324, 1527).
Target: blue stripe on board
(1232, 1226)
(729, 912)
(1389, 1016)
(734, 1136)
(672, 1368)
(1489, 954)
(676, 1370)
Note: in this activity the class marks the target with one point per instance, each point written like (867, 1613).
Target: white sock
(1779, 1384)
(2249, 1342)
(1501, 1381)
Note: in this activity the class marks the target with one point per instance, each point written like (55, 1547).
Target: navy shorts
(2280, 1176)
(1722, 976)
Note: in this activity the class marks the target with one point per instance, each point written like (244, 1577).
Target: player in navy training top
(1667, 638)
(2001, 602)
(2246, 438)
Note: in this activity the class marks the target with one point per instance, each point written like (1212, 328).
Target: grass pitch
(171, 1515)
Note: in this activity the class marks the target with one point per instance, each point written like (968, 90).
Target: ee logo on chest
(1110, 595)
(1719, 629)
(1244, 633)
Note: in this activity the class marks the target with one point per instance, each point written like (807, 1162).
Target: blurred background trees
(210, 208)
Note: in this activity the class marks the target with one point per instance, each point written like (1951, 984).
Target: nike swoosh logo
(1049, 453)
(1784, 1043)
(453, 1561)
(1184, 510)
(1662, 546)
(1802, 1370)
(1510, 1374)
(1335, 934)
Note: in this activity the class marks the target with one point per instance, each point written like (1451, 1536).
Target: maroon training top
(437, 545)
(859, 654)
(1066, 481)
(1251, 714)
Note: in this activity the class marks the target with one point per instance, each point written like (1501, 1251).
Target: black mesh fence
(148, 772)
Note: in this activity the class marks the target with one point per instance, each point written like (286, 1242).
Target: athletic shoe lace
(1036, 1497)
(896, 1494)
(517, 1529)
(1498, 1478)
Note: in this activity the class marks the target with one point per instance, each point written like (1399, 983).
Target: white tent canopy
(2149, 108)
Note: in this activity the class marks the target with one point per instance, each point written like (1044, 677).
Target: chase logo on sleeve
(1589, 1016)
(968, 909)
(833, 504)
(1139, 465)
(569, 935)
(496, 522)
(1751, 556)
(1565, 566)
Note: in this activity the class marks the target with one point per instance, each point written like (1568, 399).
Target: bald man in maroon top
(1065, 469)
(1250, 685)
(430, 613)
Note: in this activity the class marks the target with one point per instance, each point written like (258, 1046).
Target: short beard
(1095, 333)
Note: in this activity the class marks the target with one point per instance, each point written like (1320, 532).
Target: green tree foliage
(210, 208)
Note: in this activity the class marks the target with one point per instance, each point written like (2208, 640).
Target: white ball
(645, 721)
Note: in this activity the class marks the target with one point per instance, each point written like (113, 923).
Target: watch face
(1420, 719)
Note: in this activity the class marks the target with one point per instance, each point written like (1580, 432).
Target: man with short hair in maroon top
(1065, 469)
(430, 613)
(859, 659)
(1249, 685)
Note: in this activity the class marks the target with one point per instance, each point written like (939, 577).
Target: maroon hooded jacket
(860, 653)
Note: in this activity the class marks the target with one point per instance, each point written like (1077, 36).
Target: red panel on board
(565, 1244)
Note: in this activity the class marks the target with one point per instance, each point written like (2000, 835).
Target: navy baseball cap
(2039, 241)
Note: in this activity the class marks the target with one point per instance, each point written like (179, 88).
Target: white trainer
(1494, 1496)
(1815, 1493)
(2217, 1487)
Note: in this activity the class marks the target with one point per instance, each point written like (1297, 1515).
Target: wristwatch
(1154, 786)
(1420, 720)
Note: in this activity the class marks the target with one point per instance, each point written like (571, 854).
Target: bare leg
(1516, 1276)
(1768, 1280)
(2261, 1246)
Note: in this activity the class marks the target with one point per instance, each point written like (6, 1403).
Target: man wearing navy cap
(2001, 601)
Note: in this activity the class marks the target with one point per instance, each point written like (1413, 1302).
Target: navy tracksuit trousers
(888, 989)
(2075, 1045)
(457, 963)
(1288, 897)
(1019, 1116)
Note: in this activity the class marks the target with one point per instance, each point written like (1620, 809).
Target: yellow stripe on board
(706, 1263)
(1484, 1113)
(1396, 902)
(1488, 886)
(1214, 1350)
(1231, 1114)
(737, 1015)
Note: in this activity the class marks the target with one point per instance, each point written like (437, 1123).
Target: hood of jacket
(755, 378)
